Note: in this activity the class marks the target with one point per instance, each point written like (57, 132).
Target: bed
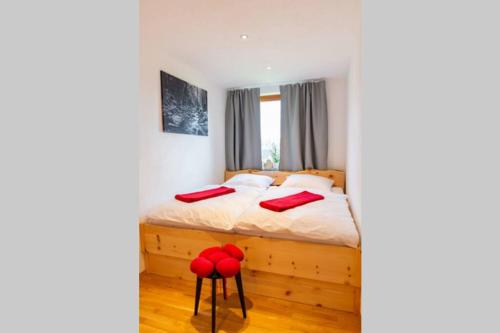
(320, 272)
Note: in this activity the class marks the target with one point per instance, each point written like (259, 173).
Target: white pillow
(338, 190)
(247, 179)
(308, 181)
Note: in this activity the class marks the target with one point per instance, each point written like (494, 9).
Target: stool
(218, 263)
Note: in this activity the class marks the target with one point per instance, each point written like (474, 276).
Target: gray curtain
(243, 149)
(304, 126)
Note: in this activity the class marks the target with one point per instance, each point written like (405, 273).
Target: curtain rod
(267, 85)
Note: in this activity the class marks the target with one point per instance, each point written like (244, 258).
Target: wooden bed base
(305, 272)
(310, 273)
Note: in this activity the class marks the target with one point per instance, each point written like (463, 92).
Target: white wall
(354, 148)
(174, 163)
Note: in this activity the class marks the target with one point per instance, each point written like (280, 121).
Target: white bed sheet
(327, 221)
(219, 213)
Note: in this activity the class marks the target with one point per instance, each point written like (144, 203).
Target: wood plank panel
(306, 291)
(280, 176)
(311, 273)
(315, 261)
(181, 243)
(322, 262)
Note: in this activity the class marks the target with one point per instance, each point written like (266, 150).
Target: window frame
(270, 98)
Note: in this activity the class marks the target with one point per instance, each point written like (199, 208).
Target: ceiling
(299, 39)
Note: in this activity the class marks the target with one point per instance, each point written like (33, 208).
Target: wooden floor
(166, 305)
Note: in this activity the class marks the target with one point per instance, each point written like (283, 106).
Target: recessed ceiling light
(243, 36)
(269, 68)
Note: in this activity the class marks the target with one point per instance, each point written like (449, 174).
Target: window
(270, 131)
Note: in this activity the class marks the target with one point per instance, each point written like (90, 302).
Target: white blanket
(217, 213)
(327, 220)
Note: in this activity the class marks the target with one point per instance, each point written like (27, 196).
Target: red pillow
(233, 251)
(202, 267)
(228, 267)
(209, 251)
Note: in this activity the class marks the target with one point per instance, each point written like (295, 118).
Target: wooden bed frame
(337, 176)
(305, 272)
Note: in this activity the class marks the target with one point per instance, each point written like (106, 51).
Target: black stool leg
(199, 282)
(239, 283)
(214, 289)
(224, 287)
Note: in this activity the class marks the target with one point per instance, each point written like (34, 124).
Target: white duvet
(218, 213)
(327, 220)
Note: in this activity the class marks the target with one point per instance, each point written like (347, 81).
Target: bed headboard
(280, 176)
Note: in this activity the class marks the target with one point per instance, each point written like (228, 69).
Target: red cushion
(218, 256)
(228, 267)
(209, 251)
(202, 267)
(233, 251)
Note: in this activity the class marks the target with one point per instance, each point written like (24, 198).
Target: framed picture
(184, 106)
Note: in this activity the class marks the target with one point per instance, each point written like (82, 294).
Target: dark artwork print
(184, 106)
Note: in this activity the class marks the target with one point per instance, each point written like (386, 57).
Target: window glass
(270, 134)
